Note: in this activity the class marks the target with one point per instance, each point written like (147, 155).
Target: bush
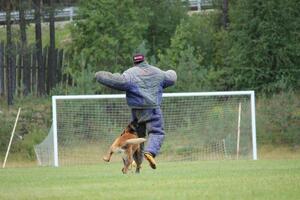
(278, 119)
(25, 147)
(34, 123)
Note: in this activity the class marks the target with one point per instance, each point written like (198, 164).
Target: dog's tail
(135, 141)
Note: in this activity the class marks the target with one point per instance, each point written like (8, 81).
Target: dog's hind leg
(138, 155)
(138, 164)
(127, 161)
(138, 158)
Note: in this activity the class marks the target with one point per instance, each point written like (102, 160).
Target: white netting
(44, 151)
(197, 127)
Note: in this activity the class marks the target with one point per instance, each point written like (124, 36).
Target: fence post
(51, 72)
(21, 71)
(45, 71)
(34, 69)
(26, 69)
(10, 76)
(1, 69)
(60, 57)
(14, 68)
(19, 68)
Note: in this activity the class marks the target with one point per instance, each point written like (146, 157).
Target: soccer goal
(198, 126)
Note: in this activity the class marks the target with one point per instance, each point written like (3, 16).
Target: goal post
(198, 126)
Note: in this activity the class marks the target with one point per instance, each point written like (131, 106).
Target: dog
(127, 143)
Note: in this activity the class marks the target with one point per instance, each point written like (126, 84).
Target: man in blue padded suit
(144, 86)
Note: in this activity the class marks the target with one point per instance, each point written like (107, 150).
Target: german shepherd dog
(127, 143)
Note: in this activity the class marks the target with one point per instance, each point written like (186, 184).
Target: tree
(50, 6)
(107, 34)
(24, 47)
(192, 50)
(52, 52)
(162, 18)
(10, 70)
(223, 6)
(225, 19)
(39, 46)
(265, 52)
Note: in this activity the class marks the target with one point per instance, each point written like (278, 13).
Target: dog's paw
(106, 159)
(124, 170)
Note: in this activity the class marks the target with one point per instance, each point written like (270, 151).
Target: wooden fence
(25, 72)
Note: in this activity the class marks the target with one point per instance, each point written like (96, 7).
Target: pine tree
(265, 53)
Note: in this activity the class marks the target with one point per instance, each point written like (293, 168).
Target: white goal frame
(165, 95)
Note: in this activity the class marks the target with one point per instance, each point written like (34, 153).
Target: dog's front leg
(107, 157)
(111, 150)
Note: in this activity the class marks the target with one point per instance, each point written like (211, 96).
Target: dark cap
(137, 58)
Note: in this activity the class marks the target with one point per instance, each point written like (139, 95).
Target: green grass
(263, 179)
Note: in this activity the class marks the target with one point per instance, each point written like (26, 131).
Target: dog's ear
(132, 126)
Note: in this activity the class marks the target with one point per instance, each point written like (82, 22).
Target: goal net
(198, 126)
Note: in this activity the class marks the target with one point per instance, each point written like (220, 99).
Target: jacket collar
(142, 64)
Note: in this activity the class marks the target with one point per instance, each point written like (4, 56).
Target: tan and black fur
(127, 143)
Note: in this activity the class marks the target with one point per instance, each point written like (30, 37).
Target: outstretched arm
(115, 81)
(170, 78)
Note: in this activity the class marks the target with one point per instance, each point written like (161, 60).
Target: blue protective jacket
(143, 84)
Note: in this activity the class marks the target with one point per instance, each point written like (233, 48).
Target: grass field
(263, 179)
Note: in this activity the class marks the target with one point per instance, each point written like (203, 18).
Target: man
(144, 86)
